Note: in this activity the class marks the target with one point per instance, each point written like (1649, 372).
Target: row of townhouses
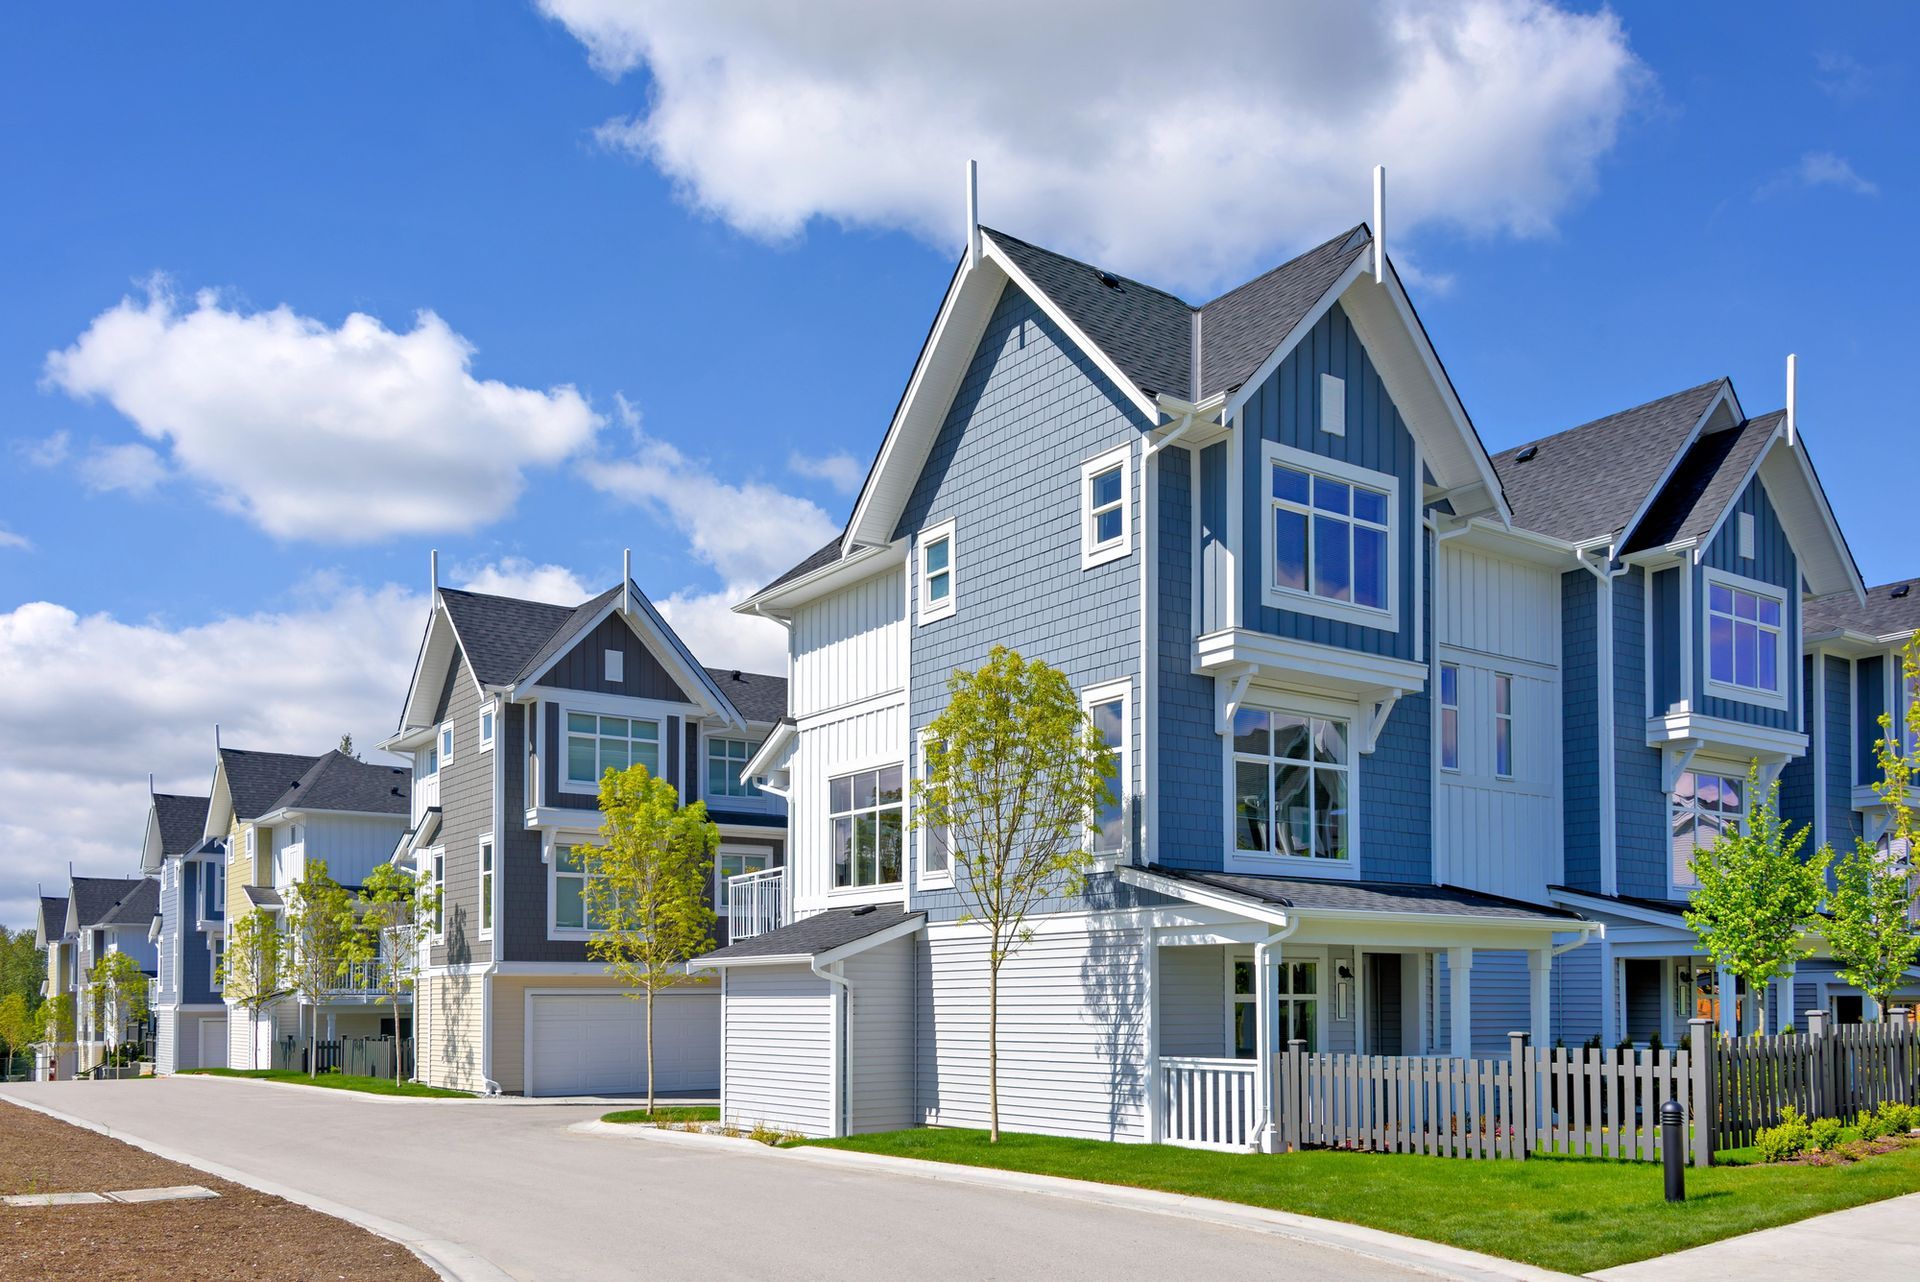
(1413, 742)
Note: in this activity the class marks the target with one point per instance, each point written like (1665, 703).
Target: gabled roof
(53, 919)
(1890, 610)
(828, 932)
(1710, 476)
(819, 558)
(94, 898)
(181, 820)
(257, 780)
(137, 907)
(757, 696)
(1242, 327)
(501, 634)
(338, 782)
(1588, 482)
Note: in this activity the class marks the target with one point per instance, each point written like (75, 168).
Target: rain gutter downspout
(1265, 1133)
(842, 1050)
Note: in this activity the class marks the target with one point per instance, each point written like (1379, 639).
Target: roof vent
(862, 910)
(1900, 591)
(1107, 278)
(1526, 455)
(736, 674)
(394, 790)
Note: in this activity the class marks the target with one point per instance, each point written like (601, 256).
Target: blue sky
(681, 219)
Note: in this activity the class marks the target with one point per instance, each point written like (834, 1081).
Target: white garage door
(596, 1044)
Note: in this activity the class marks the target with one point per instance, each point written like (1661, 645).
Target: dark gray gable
(53, 915)
(182, 820)
(1243, 327)
(94, 898)
(338, 782)
(757, 696)
(1710, 476)
(137, 907)
(583, 665)
(1588, 481)
(581, 616)
(500, 634)
(256, 780)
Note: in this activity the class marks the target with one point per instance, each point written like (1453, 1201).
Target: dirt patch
(241, 1235)
(1850, 1152)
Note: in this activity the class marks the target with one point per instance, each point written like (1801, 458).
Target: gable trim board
(690, 677)
(1723, 396)
(1837, 572)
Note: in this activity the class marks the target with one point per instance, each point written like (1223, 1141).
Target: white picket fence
(1208, 1103)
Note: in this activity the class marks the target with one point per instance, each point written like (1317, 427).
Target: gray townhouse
(97, 916)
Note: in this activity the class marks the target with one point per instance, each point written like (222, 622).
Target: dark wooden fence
(355, 1056)
(1824, 1072)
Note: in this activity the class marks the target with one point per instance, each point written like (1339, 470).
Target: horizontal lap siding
(1576, 994)
(880, 1063)
(452, 1056)
(1072, 1033)
(466, 802)
(1193, 1001)
(777, 1059)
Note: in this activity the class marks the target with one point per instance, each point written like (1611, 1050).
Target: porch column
(1669, 998)
(1540, 996)
(1266, 1042)
(1783, 1005)
(1460, 1001)
(1728, 990)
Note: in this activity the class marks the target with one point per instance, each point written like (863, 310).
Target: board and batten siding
(1494, 617)
(849, 646)
(1072, 1037)
(1773, 562)
(865, 736)
(880, 1037)
(777, 1049)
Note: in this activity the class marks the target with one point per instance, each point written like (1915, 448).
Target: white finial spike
(973, 212)
(216, 736)
(1793, 397)
(626, 581)
(433, 572)
(1379, 224)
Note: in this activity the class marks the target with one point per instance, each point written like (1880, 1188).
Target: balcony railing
(756, 903)
(359, 977)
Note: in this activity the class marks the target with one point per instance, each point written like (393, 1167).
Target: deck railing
(1207, 1103)
(756, 903)
(359, 977)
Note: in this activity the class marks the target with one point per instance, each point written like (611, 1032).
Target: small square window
(938, 570)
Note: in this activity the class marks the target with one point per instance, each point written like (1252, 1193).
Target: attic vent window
(1745, 529)
(1107, 278)
(616, 665)
(1333, 405)
(1527, 455)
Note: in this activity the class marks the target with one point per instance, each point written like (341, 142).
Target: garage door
(596, 1044)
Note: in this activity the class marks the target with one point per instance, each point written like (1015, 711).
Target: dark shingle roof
(256, 780)
(1588, 481)
(817, 559)
(139, 906)
(1242, 327)
(94, 898)
(182, 820)
(264, 897)
(759, 697)
(1366, 896)
(820, 933)
(1884, 614)
(338, 782)
(499, 633)
(570, 628)
(1706, 482)
(1674, 907)
(53, 913)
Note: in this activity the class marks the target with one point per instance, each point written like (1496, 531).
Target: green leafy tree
(16, 1030)
(1757, 899)
(250, 968)
(57, 1024)
(319, 917)
(346, 747)
(645, 891)
(23, 967)
(384, 934)
(1871, 929)
(1014, 774)
(118, 989)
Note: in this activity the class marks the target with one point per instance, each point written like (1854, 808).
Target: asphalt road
(508, 1184)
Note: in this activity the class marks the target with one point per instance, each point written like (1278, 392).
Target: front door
(1382, 982)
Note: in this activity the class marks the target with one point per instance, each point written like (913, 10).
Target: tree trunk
(993, 1054)
(313, 1024)
(396, 1037)
(649, 1052)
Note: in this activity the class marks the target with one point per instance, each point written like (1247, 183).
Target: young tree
(384, 934)
(319, 916)
(16, 1030)
(1872, 930)
(250, 969)
(57, 1024)
(346, 747)
(645, 891)
(118, 988)
(1015, 773)
(1757, 899)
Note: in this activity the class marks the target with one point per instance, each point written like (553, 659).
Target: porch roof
(838, 932)
(1366, 897)
(1666, 907)
(264, 897)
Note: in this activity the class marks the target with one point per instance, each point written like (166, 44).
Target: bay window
(1329, 538)
(1291, 780)
(865, 812)
(1745, 627)
(1703, 807)
(597, 744)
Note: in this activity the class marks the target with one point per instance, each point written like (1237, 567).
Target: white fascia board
(420, 689)
(152, 855)
(1718, 736)
(1136, 397)
(1205, 896)
(1580, 901)
(896, 931)
(1843, 569)
(778, 603)
(773, 752)
(665, 645)
(1513, 543)
(219, 804)
(1723, 396)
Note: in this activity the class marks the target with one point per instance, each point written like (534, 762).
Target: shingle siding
(1191, 774)
(466, 812)
(1640, 805)
(1580, 728)
(1843, 821)
(1870, 680)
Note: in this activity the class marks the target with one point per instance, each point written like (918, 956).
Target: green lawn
(666, 1116)
(1571, 1214)
(337, 1082)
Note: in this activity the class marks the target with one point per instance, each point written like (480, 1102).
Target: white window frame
(565, 746)
(250, 845)
(1120, 692)
(486, 872)
(1502, 722)
(487, 721)
(936, 879)
(555, 843)
(753, 796)
(1696, 768)
(828, 814)
(1303, 600)
(1451, 767)
(616, 667)
(444, 738)
(1322, 1002)
(437, 879)
(1267, 861)
(932, 611)
(720, 873)
(1093, 551)
(1786, 661)
(216, 957)
(213, 905)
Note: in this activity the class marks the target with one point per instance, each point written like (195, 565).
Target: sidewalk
(1872, 1243)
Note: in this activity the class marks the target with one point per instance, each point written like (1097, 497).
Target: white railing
(756, 903)
(359, 977)
(1208, 1103)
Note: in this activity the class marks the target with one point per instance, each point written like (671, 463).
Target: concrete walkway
(1879, 1242)
(486, 1190)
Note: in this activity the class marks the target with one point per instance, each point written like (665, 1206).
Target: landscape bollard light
(1673, 1154)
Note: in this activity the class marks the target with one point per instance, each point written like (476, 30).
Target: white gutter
(1264, 1052)
(841, 1063)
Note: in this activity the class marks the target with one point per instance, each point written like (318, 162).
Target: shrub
(1899, 1118)
(1653, 1042)
(1824, 1133)
(1789, 1139)
(1870, 1126)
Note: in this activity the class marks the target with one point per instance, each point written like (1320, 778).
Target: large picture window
(1704, 806)
(597, 744)
(1744, 628)
(1290, 781)
(1330, 546)
(865, 813)
(726, 758)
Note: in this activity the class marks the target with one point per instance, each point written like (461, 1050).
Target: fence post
(1706, 1106)
(1520, 1124)
(1900, 1066)
(1295, 1092)
(1820, 1066)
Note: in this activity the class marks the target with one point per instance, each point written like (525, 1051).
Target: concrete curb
(450, 1260)
(331, 1091)
(1374, 1244)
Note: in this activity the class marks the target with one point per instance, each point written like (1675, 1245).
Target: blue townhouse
(189, 1018)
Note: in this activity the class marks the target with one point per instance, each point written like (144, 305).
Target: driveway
(508, 1183)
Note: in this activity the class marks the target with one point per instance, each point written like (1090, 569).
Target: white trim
(1124, 385)
(886, 888)
(1333, 404)
(550, 845)
(735, 848)
(444, 740)
(664, 644)
(562, 780)
(487, 882)
(1092, 551)
(1105, 692)
(931, 611)
(922, 878)
(1724, 393)
(1267, 862)
(487, 723)
(1784, 655)
(615, 666)
(437, 878)
(1305, 601)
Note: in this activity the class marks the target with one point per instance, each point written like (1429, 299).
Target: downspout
(842, 1051)
(1604, 574)
(1264, 1133)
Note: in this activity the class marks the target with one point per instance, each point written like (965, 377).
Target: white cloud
(338, 434)
(720, 638)
(1187, 142)
(1818, 169)
(83, 734)
(46, 451)
(1841, 75)
(8, 539)
(132, 468)
(516, 576)
(841, 470)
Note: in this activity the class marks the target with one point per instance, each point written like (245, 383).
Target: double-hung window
(936, 843)
(1449, 716)
(726, 758)
(1291, 782)
(217, 946)
(486, 886)
(446, 745)
(1107, 707)
(1297, 993)
(735, 863)
(1330, 538)
(1503, 725)
(597, 744)
(1704, 807)
(570, 873)
(213, 883)
(866, 810)
(1746, 623)
(486, 725)
(438, 880)
(1104, 534)
(937, 572)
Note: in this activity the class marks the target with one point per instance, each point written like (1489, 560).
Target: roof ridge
(1619, 413)
(1280, 267)
(1092, 267)
(517, 600)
